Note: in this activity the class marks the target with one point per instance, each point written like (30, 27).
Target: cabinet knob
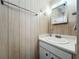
(46, 54)
(52, 58)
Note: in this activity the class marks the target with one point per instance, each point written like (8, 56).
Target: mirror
(59, 14)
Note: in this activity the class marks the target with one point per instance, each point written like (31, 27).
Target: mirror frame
(65, 15)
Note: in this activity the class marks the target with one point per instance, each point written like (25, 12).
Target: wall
(77, 30)
(66, 28)
(19, 29)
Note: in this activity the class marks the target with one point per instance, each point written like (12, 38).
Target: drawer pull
(52, 58)
(46, 54)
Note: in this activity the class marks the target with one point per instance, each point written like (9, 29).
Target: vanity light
(48, 11)
(58, 4)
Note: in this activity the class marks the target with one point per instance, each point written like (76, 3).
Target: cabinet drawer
(44, 54)
(56, 51)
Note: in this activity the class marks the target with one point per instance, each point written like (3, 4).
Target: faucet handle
(75, 28)
(57, 36)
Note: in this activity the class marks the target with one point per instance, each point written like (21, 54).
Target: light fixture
(48, 11)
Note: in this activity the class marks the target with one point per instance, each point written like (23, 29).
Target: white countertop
(70, 47)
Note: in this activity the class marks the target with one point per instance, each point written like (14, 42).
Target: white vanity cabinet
(48, 51)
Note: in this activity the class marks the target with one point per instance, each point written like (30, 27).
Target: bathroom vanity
(50, 48)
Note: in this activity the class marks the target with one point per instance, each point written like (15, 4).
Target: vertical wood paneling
(11, 35)
(3, 32)
(0, 30)
(43, 24)
(22, 36)
(19, 30)
(14, 33)
(32, 36)
(22, 32)
(77, 31)
(28, 37)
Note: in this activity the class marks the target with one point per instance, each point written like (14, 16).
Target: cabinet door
(44, 54)
(52, 56)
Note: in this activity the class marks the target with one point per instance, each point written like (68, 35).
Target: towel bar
(2, 2)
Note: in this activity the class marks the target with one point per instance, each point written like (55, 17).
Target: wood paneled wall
(67, 29)
(4, 33)
(19, 31)
(77, 30)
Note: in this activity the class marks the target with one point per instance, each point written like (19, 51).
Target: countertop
(70, 47)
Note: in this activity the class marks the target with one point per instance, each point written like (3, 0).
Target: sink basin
(57, 40)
